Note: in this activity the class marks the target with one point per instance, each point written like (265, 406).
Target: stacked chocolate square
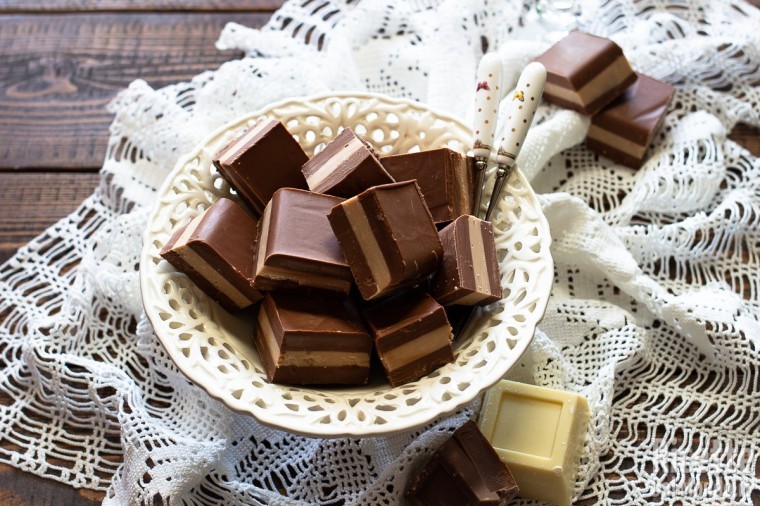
(351, 254)
(591, 75)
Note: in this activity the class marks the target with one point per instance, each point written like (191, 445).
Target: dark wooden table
(61, 61)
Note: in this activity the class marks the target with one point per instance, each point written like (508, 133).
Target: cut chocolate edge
(289, 158)
(623, 131)
(468, 241)
(270, 272)
(213, 274)
(345, 167)
(281, 367)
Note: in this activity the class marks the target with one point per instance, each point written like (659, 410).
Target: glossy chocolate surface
(261, 161)
(223, 242)
(582, 61)
(345, 167)
(444, 176)
(634, 117)
(465, 470)
(398, 241)
(299, 248)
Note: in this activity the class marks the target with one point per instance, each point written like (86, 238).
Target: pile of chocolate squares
(350, 253)
(591, 75)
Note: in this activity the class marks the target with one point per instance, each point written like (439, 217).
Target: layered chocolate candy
(623, 130)
(215, 250)
(465, 470)
(297, 249)
(469, 273)
(261, 161)
(388, 238)
(444, 176)
(412, 335)
(347, 166)
(308, 340)
(585, 72)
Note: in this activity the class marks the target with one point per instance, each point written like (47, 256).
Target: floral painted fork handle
(487, 98)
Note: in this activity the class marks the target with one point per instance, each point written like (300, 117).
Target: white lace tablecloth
(653, 316)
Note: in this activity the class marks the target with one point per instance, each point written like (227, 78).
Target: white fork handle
(520, 114)
(487, 98)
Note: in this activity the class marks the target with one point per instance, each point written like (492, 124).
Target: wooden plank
(57, 73)
(26, 6)
(22, 489)
(31, 202)
(747, 136)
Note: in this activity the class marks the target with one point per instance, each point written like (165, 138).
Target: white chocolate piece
(539, 433)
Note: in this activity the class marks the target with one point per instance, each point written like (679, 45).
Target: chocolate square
(215, 250)
(297, 249)
(469, 273)
(261, 161)
(623, 130)
(444, 176)
(346, 167)
(388, 237)
(312, 341)
(412, 335)
(585, 72)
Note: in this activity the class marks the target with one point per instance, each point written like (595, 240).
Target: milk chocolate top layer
(346, 167)
(388, 237)
(444, 176)
(226, 230)
(578, 58)
(585, 72)
(638, 112)
(298, 229)
(464, 470)
(409, 226)
(402, 315)
(301, 316)
(261, 161)
(217, 253)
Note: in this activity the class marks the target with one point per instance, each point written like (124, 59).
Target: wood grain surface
(57, 73)
(61, 62)
(49, 6)
(30, 202)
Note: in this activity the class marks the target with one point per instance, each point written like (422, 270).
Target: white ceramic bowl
(215, 349)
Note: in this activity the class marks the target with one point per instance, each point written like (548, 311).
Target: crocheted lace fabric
(653, 315)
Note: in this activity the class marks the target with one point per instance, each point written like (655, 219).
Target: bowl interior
(215, 349)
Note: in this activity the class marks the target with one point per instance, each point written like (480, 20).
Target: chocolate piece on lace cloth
(646, 265)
